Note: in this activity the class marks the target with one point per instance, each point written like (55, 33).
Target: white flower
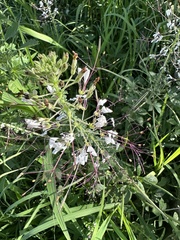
(41, 123)
(41, 4)
(67, 137)
(85, 75)
(157, 37)
(91, 150)
(58, 146)
(170, 24)
(106, 110)
(50, 89)
(101, 122)
(33, 124)
(110, 138)
(102, 102)
(56, 11)
(2, 125)
(82, 157)
(152, 56)
(168, 12)
(78, 96)
(49, 3)
(52, 141)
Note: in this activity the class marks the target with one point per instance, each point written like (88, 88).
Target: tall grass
(89, 153)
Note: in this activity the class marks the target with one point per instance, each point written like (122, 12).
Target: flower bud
(80, 74)
(64, 67)
(65, 57)
(74, 63)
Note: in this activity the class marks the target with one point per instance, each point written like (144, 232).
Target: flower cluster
(47, 9)
(170, 44)
(65, 126)
(58, 145)
(173, 21)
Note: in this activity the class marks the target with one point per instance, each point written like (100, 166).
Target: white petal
(106, 110)
(109, 140)
(52, 141)
(58, 146)
(157, 37)
(82, 157)
(68, 137)
(117, 145)
(91, 150)
(86, 75)
(33, 124)
(50, 89)
(102, 102)
(79, 70)
(168, 12)
(113, 122)
(101, 121)
(110, 132)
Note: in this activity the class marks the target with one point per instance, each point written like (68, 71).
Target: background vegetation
(89, 119)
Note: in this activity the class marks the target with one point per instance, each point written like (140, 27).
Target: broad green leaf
(15, 86)
(11, 99)
(151, 178)
(30, 43)
(11, 31)
(14, 102)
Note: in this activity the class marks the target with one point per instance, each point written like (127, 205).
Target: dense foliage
(89, 119)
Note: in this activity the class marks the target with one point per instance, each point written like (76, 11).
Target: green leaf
(52, 191)
(150, 178)
(11, 31)
(173, 156)
(30, 43)
(75, 213)
(40, 36)
(157, 106)
(15, 86)
(11, 99)
(162, 204)
(14, 102)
